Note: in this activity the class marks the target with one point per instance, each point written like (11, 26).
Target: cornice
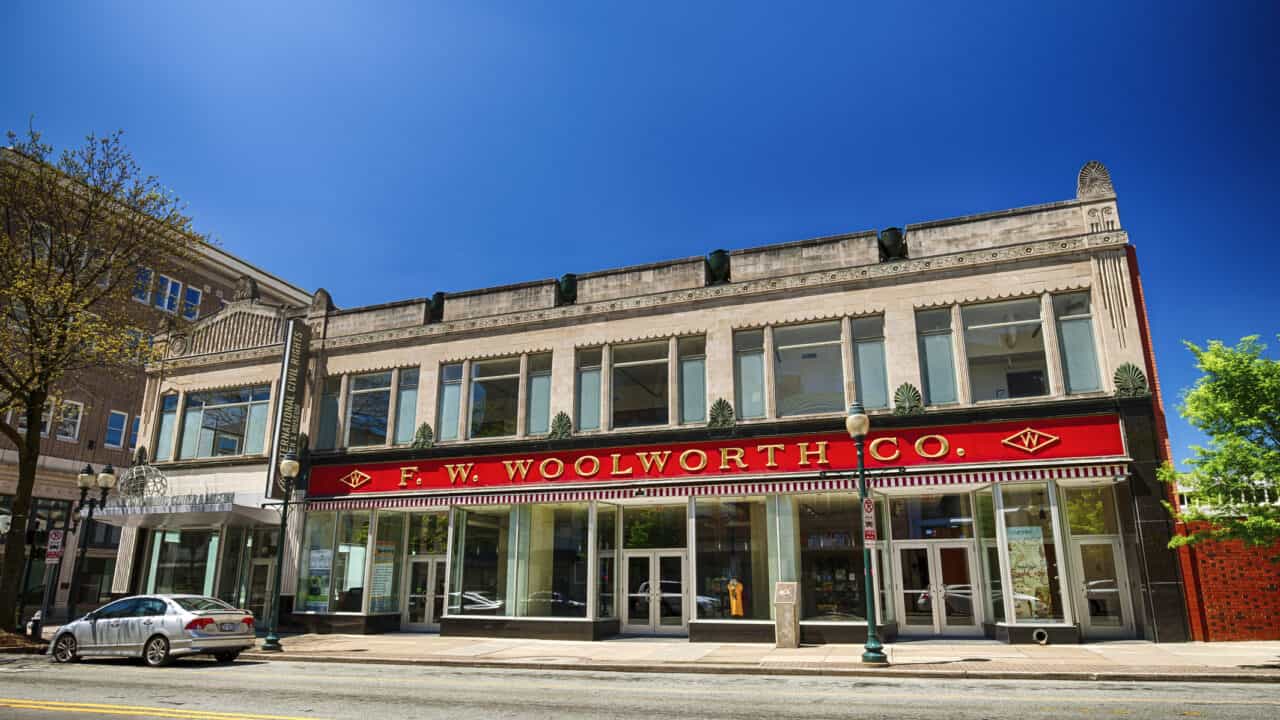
(948, 301)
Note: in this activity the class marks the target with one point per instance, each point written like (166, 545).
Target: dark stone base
(488, 626)
(1022, 634)
(763, 633)
(339, 624)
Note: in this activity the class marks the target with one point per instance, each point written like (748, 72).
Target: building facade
(650, 449)
(97, 421)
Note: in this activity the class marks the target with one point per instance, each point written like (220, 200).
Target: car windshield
(196, 604)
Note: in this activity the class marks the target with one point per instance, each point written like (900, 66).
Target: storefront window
(538, 406)
(693, 379)
(808, 372)
(868, 362)
(606, 544)
(931, 517)
(349, 562)
(649, 528)
(406, 405)
(388, 558)
(989, 554)
(234, 540)
(428, 533)
(495, 397)
(481, 547)
(368, 405)
(554, 563)
(317, 562)
(225, 422)
(733, 559)
(450, 398)
(748, 373)
(1005, 348)
(587, 401)
(640, 384)
(937, 367)
(1075, 337)
(1034, 571)
(832, 582)
(183, 561)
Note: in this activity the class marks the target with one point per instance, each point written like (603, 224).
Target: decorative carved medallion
(1030, 440)
(354, 479)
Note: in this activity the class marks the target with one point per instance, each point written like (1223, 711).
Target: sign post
(53, 546)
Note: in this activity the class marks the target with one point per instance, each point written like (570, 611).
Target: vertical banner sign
(284, 431)
(869, 520)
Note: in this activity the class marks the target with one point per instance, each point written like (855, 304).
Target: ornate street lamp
(86, 480)
(289, 469)
(857, 423)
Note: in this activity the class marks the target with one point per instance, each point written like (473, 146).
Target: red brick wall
(1236, 591)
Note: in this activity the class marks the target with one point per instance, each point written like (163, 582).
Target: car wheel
(226, 658)
(156, 652)
(64, 650)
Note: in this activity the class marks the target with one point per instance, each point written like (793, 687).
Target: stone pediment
(241, 325)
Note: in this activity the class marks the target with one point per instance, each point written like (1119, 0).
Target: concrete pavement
(1124, 660)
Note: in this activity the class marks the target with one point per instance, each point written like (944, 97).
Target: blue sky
(387, 150)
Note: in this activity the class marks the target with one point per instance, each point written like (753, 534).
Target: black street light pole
(857, 423)
(105, 480)
(289, 467)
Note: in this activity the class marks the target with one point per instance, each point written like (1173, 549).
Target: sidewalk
(1128, 660)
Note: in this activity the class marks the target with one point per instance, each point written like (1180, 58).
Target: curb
(796, 669)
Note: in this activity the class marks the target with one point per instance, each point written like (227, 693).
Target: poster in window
(1029, 572)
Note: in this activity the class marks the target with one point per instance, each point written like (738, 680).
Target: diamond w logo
(1030, 440)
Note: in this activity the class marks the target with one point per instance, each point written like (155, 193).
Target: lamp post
(289, 467)
(104, 480)
(857, 423)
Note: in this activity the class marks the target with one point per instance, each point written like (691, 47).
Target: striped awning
(722, 489)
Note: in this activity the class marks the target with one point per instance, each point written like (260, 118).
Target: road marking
(135, 710)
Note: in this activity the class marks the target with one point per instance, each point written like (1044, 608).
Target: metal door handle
(146, 622)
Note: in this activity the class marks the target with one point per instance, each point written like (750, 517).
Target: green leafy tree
(75, 227)
(1233, 483)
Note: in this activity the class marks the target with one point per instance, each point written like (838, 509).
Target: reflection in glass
(606, 544)
(733, 559)
(663, 526)
(832, 586)
(481, 546)
(931, 517)
(349, 561)
(1034, 573)
(555, 566)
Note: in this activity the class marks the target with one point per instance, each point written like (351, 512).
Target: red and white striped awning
(723, 489)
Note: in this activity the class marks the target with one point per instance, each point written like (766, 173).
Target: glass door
(1102, 596)
(258, 595)
(654, 581)
(936, 589)
(424, 594)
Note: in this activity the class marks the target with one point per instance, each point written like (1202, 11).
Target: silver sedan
(157, 628)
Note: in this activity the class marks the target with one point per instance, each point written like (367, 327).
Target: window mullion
(522, 397)
(770, 396)
(393, 402)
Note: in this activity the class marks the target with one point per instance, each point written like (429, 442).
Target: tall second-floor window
(406, 405)
(495, 397)
(225, 422)
(1075, 336)
(367, 409)
(330, 395)
(450, 399)
(640, 384)
(191, 303)
(693, 379)
(168, 422)
(116, 423)
(937, 365)
(587, 399)
(538, 405)
(808, 371)
(748, 373)
(1005, 347)
(868, 362)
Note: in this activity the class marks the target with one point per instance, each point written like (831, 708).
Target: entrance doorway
(654, 581)
(937, 589)
(1102, 595)
(424, 593)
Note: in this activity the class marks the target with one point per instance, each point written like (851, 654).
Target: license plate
(227, 627)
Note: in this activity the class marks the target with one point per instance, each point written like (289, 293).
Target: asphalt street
(195, 689)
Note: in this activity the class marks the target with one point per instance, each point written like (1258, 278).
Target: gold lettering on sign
(769, 450)
(684, 460)
(943, 447)
(821, 452)
(652, 458)
(874, 449)
(518, 467)
(405, 474)
(618, 471)
(547, 474)
(595, 465)
(459, 472)
(734, 454)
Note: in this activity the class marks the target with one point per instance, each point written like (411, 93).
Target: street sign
(869, 507)
(53, 547)
(869, 520)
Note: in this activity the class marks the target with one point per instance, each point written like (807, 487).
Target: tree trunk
(15, 543)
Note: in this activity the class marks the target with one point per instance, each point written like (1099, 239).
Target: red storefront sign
(1095, 436)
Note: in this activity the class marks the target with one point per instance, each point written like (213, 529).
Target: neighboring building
(1003, 357)
(98, 419)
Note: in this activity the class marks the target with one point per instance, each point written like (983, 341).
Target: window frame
(124, 429)
(389, 389)
(143, 285)
(855, 340)
(450, 434)
(167, 295)
(777, 359)
(191, 309)
(1095, 349)
(926, 390)
(1031, 300)
(473, 379)
(180, 425)
(75, 437)
(665, 361)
